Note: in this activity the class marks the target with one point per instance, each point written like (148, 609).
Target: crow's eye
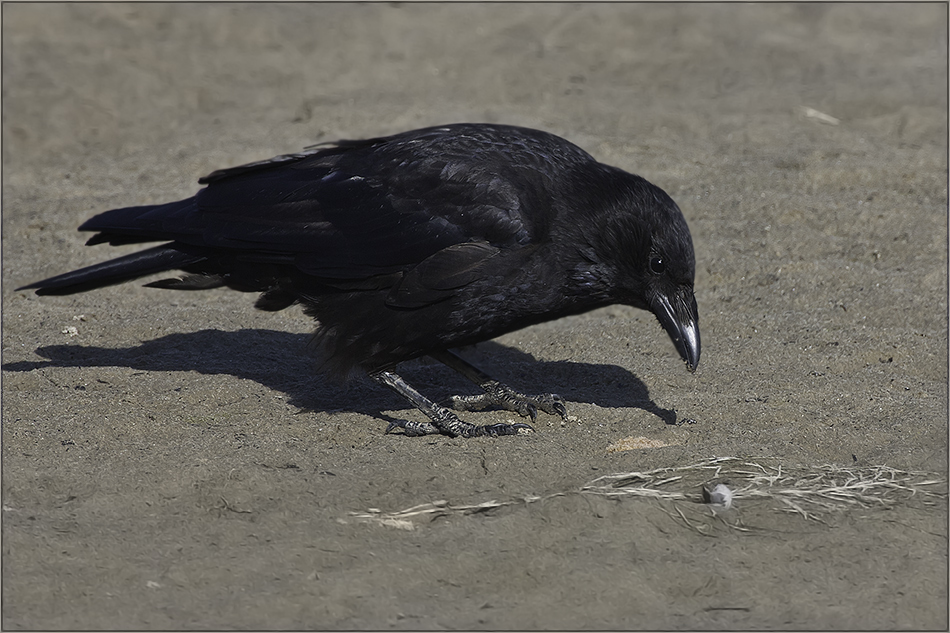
(657, 265)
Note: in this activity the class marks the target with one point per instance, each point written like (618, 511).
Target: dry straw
(810, 492)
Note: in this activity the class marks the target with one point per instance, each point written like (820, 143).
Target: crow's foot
(458, 429)
(443, 421)
(504, 397)
(497, 394)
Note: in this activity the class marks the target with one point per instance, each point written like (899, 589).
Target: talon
(532, 412)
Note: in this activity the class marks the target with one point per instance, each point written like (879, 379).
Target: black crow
(412, 244)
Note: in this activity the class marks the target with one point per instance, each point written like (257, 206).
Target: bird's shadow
(279, 361)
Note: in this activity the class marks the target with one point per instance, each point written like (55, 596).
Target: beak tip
(682, 325)
(689, 339)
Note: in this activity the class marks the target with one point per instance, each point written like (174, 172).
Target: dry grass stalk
(402, 518)
(807, 491)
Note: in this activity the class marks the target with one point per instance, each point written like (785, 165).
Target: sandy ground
(171, 461)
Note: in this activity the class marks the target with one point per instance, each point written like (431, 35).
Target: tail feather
(115, 271)
(133, 225)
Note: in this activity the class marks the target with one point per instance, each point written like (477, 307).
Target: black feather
(115, 271)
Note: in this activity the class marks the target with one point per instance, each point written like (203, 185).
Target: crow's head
(642, 245)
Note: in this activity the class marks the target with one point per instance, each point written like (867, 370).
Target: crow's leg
(498, 394)
(443, 420)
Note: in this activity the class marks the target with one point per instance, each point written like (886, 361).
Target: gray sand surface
(170, 460)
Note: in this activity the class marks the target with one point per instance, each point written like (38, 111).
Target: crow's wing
(359, 209)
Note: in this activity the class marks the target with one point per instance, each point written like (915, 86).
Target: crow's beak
(679, 316)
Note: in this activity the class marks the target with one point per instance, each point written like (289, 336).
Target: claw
(552, 403)
(532, 412)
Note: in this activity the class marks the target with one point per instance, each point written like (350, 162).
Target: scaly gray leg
(498, 394)
(443, 420)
